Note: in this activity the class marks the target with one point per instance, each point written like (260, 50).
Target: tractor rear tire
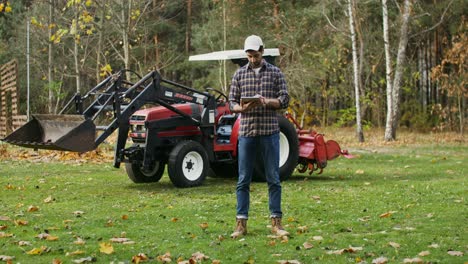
(289, 152)
(136, 173)
(188, 164)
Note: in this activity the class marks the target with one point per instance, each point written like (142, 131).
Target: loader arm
(78, 132)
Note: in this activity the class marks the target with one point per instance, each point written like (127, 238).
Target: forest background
(75, 43)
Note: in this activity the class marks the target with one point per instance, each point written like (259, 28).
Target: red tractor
(193, 132)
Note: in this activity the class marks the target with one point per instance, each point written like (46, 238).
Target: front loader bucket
(56, 132)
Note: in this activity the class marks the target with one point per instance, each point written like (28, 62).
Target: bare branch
(437, 24)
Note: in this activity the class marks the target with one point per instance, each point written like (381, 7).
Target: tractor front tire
(188, 164)
(136, 173)
(289, 152)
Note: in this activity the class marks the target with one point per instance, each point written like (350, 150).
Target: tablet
(248, 99)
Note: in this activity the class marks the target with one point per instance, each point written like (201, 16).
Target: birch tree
(356, 70)
(394, 86)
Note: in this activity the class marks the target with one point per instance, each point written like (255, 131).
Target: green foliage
(313, 37)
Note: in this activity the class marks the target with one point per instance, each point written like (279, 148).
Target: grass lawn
(403, 202)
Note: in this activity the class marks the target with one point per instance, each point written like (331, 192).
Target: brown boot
(277, 228)
(241, 228)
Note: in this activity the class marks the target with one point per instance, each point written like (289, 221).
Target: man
(259, 129)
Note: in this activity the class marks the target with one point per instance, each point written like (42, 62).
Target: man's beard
(255, 64)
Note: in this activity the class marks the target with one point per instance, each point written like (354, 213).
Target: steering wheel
(220, 94)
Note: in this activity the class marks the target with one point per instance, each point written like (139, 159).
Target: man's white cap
(253, 43)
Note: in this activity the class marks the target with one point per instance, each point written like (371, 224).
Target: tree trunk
(99, 45)
(75, 55)
(388, 70)
(398, 78)
(124, 32)
(359, 132)
(188, 31)
(50, 77)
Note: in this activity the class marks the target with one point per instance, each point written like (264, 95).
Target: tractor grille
(137, 118)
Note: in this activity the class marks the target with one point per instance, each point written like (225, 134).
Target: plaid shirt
(269, 83)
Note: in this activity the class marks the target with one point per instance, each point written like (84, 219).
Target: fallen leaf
(6, 258)
(317, 238)
(455, 253)
(203, 226)
(3, 234)
(141, 257)
(33, 208)
(316, 197)
(198, 256)
(216, 261)
(49, 199)
(360, 172)
(302, 229)
(289, 262)
(350, 249)
(83, 260)
(380, 260)
(166, 258)
(433, 245)
(122, 240)
(24, 243)
(56, 261)
(78, 213)
(124, 217)
(307, 245)
(4, 218)
(74, 253)
(424, 253)
(21, 222)
(52, 238)
(394, 245)
(413, 260)
(38, 251)
(106, 248)
(174, 219)
(3, 227)
(387, 214)
(43, 235)
(79, 241)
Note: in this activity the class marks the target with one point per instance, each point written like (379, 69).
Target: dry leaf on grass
(302, 229)
(166, 258)
(33, 208)
(455, 253)
(203, 226)
(380, 260)
(141, 257)
(307, 245)
(289, 261)
(387, 214)
(3, 234)
(84, 260)
(424, 253)
(4, 218)
(198, 256)
(317, 238)
(106, 248)
(74, 253)
(20, 222)
(350, 249)
(413, 260)
(6, 258)
(38, 251)
(394, 245)
(122, 240)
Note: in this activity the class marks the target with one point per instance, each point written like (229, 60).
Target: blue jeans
(268, 146)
